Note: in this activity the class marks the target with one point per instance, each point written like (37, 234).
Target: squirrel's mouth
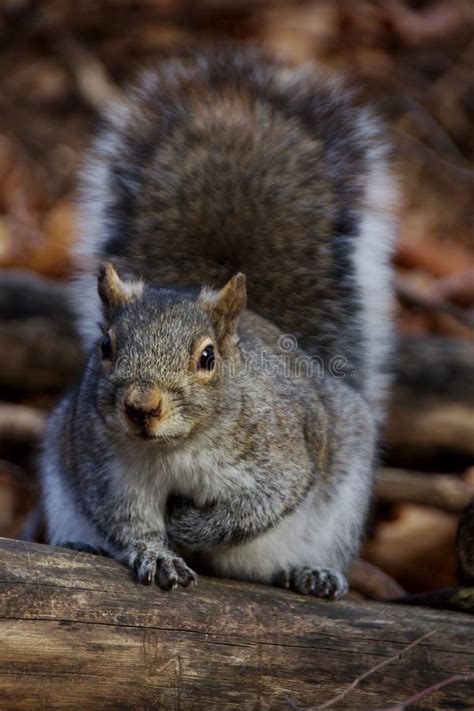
(157, 438)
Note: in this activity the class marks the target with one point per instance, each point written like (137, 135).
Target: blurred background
(61, 61)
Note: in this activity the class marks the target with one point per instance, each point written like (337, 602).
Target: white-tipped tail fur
(94, 200)
(372, 261)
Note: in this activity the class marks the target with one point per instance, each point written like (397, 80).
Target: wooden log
(39, 348)
(443, 491)
(431, 417)
(20, 425)
(460, 599)
(372, 582)
(465, 546)
(37, 357)
(78, 632)
(21, 428)
(455, 320)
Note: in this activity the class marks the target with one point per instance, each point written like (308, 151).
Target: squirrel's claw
(325, 583)
(167, 569)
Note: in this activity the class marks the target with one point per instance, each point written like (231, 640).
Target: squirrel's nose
(141, 406)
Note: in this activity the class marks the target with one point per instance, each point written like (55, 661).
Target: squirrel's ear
(113, 291)
(227, 304)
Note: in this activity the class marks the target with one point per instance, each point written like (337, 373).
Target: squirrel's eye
(207, 358)
(106, 348)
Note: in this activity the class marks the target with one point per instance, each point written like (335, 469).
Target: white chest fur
(197, 475)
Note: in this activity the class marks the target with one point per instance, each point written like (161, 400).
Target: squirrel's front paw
(327, 583)
(165, 567)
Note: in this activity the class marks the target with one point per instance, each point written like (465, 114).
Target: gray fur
(216, 165)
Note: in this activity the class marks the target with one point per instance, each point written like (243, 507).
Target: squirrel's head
(166, 357)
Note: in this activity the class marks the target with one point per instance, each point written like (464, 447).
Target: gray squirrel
(196, 437)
